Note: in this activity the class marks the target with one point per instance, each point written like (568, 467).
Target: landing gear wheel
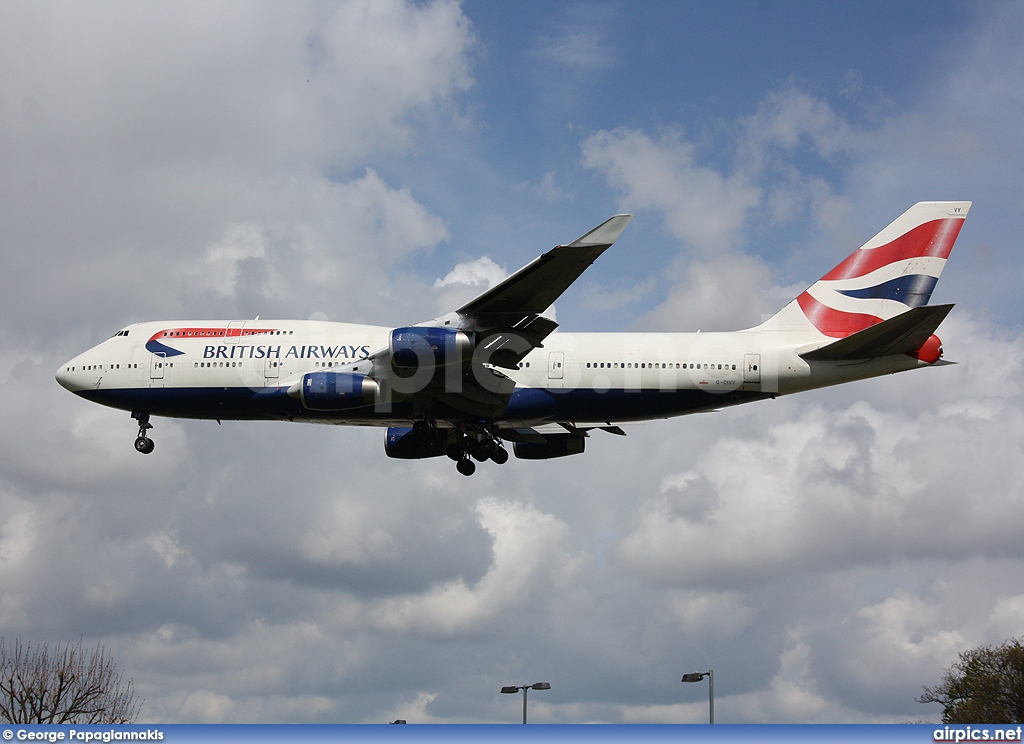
(433, 443)
(500, 455)
(469, 445)
(466, 467)
(143, 443)
(420, 428)
(485, 449)
(453, 451)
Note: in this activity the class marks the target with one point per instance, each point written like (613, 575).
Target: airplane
(495, 371)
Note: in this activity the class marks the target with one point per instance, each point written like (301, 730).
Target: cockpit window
(120, 333)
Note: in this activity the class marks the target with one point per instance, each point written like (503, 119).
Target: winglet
(604, 234)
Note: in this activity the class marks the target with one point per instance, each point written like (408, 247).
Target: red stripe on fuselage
(934, 239)
(208, 332)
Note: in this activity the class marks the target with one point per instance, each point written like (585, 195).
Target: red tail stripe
(933, 238)
(832, 322)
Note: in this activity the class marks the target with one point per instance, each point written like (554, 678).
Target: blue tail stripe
(913, 290)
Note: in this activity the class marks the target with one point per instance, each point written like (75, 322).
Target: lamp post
(697, 677)
(513, 689)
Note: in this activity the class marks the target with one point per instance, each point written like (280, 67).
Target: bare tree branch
(70, 685)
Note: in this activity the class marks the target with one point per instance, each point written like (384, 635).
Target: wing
(507, 317)
(534, 288)
(466, 349)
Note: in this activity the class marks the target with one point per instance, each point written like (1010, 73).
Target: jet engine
(335, 391)
(427, 348)
(556, 445)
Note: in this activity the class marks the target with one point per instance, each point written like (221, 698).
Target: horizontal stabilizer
(903, 334)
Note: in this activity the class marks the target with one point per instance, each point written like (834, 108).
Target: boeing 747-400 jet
(495, 370)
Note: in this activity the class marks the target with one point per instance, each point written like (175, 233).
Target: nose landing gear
(143, 443)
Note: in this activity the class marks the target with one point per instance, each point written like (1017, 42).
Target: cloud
(280, 87)
(853, 486)
(525, 544)
(464, 282)
(579, 42)
(220, 152)
(703, 207)
(333, 253)
(725, 293)
(826, 554)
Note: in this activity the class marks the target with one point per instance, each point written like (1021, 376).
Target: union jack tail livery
(892, 273)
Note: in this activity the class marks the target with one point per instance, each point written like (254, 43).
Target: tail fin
(892, 273)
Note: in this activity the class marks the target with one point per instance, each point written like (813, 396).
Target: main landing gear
(143, 443)
(466, 448)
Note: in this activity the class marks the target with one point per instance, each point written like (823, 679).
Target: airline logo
(876, 283)
(157, 345)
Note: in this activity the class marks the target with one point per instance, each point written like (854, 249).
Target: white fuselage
(230, 369)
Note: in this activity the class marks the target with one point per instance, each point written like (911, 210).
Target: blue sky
(546, 81)
(827, 554)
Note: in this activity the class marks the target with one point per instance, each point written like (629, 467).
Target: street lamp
(697, 677)
(513, 689)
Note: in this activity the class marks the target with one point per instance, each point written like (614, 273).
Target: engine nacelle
(402, 442)
(335, 391)
(557, 445)
(424, 347)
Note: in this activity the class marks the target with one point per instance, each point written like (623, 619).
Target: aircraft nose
(65, 377)
(62, 377)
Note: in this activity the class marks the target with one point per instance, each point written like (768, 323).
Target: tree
(69, 685)
(985, 685)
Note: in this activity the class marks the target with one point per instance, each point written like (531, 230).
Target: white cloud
(724, 293)
(703, 207)
(826, 554)
(464, 282)
(249, 89)
(526, 543)
(850, 485)
(206, 706)
(481, 273)
(210, 153)
(789, 118)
